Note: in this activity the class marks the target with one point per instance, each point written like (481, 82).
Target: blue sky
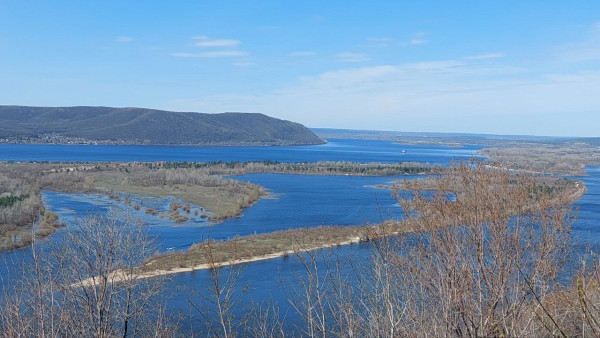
(506, 67)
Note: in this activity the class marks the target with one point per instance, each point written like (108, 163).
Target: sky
(500, 67)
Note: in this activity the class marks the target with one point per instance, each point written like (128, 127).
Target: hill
(146, 126)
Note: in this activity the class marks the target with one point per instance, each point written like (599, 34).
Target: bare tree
(264, 321)
(485, 249)
(481, 258)
(309, 294)
(88, 286)
(218, 302)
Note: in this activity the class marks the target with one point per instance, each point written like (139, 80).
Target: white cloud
(302, 53)
(417, 41)
(445, 95)
(380, 42)
(243, 64)
(380, 39)
(205, 41)
(484, 56)
(352, 57)
(586, 50)
(212, 54)
(123, 39)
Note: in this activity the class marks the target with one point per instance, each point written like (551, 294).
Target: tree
(87, 285)
(485, 251)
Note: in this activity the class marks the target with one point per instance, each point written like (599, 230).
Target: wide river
(295, 201)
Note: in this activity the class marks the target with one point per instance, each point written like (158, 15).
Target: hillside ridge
(107, 125)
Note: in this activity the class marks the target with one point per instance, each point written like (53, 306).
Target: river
(295, 201)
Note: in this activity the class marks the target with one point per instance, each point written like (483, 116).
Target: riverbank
(203, 184)
(211, 254)
(561, 159)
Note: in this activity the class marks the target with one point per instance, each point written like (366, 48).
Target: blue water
(334, 150)
(294, 201)
(586, 229)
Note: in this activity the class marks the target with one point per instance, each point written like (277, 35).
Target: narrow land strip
(212, 254)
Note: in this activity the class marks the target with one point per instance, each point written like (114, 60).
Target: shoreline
(273, 255)
(116, 278)
(578, 193)
(162, 265)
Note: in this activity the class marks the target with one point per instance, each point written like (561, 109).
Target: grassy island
(200, 183)
(503, 194)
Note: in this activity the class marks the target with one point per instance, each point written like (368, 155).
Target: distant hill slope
(147, 126)
(439, 138)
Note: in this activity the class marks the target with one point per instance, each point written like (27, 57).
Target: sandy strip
(119, 275)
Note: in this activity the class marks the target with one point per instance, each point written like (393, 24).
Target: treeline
(306, 168)
(20, 207)
(570, 159)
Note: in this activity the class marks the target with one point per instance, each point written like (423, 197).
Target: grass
(570, 159)
(278, 242)
(199, 183)
(219, 200)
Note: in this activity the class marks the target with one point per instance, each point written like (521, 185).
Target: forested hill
(146, 126)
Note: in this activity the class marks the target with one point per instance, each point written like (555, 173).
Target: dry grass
(48, 224)
(568, 159)
(553, 191)
(223, 201)
(278, 242)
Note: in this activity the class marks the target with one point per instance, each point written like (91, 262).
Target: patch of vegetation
(48, 224)
(20, 206)
(307, 168)
(505, 194)
(9, 201)
(565, 158)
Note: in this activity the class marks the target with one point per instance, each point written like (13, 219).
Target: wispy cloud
(586, 50)
(380, 41)
(442, 95)
(124, 39)
(243, 64)
(484, 56)
(205, 41)
(302, 53)
(212, 54)
(352, 57)
(419, 39)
